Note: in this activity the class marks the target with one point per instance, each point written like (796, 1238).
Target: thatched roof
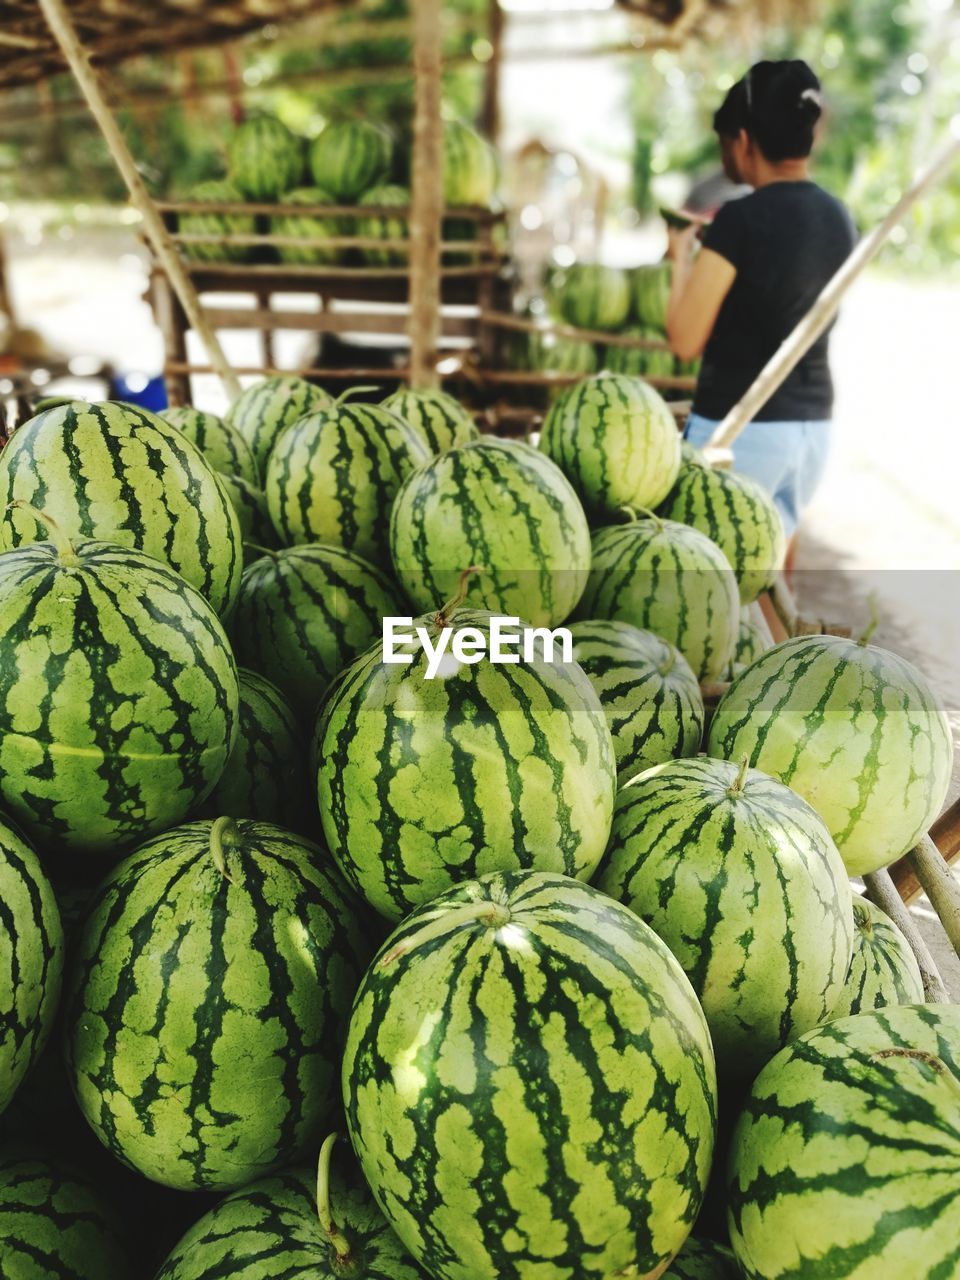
(116, 29)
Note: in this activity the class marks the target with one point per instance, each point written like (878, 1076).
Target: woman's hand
(682, 241)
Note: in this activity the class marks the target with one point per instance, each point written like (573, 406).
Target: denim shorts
(787, 458)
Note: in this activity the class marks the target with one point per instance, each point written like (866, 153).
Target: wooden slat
(520, 324)
(264, 318)
(464, 213)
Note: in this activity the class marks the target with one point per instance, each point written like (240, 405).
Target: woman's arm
(699, 289)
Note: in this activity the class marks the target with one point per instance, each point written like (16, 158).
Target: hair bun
(811, 103)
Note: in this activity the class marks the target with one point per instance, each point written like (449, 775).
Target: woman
(764, 262)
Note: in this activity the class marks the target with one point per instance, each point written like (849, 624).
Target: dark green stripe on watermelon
(208, 1002)
(118, 695)
(118, 473)
(264, 411)
(223, 446)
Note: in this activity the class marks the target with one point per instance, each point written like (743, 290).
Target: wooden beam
(491, 87)
(62, 27)
(426, 214)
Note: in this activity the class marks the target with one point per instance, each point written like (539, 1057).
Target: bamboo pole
(63, 29)
(941, 886)
(491, 88)
(823, 312)
(426, 213)
(945, 834)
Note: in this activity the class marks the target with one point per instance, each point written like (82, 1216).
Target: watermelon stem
(635, 513)
(741, 778)
(263, 551)
(492, 914)
(874, 620)
(64, 546)
(456, 600)
(352, 391)
(223, 835)
(339, 1242)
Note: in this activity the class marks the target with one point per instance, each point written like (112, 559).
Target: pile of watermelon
(351, 162)
(629, 304)
(582, 978)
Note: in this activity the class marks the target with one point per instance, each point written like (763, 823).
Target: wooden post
(823, 312)
(426, 212)
(63, 29)
(491, 87)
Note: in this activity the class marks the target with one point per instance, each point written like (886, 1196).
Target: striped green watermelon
(739, 516)
(223, 446)
(856, 730)
(616, 441)
(334, 475)
(883, 970)
(703, 1260)
(31, 961)
(217, 224)
(211, 983)
(651, 295)
(741, 880)
(383, 227)
(689, 368)
(442, 421)
(845, 1161)
(349, 157)
(118, 695)
(264, 411)
(670, 579)
(426, 782)
(114, 472)
(265, 778)
(554, 354)
(530, 1086)
(250, 504)
(304, 613)
(286, 1227)
(754, 636)
(498, 504)
(650, 696)
(592, 297)
(265, 158)
(641, 362)
(313, 230)
(54, 1225)
(469, 167)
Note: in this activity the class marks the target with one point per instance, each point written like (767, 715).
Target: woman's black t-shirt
(786, 241)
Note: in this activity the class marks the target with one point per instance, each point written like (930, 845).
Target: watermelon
(498, 504)
(741, 880)
(54, 1224)
(349, 157)
(114, 472)
(554, 354)
(216, 967)
(223, 447)
(118, 695)
(616, 441)
(469, 167)
(31, 961)
(264, 411)
(753, 638)
(641, 362)
(307, 611)
(593, 297)
(844, 1161)
(265, 778)
(689, 368)
(383, 227)
(276, 1228)
(425, 782)
(266, 159)
(333, 477)
(312, 229)
(703, 1260)
(650, 696)
(670, 579)
(651, 295)
(217, 224)
(440, 419)
(883, 970)
(250, 504)
(856, 730)
(529, 1085)
(739, 516)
